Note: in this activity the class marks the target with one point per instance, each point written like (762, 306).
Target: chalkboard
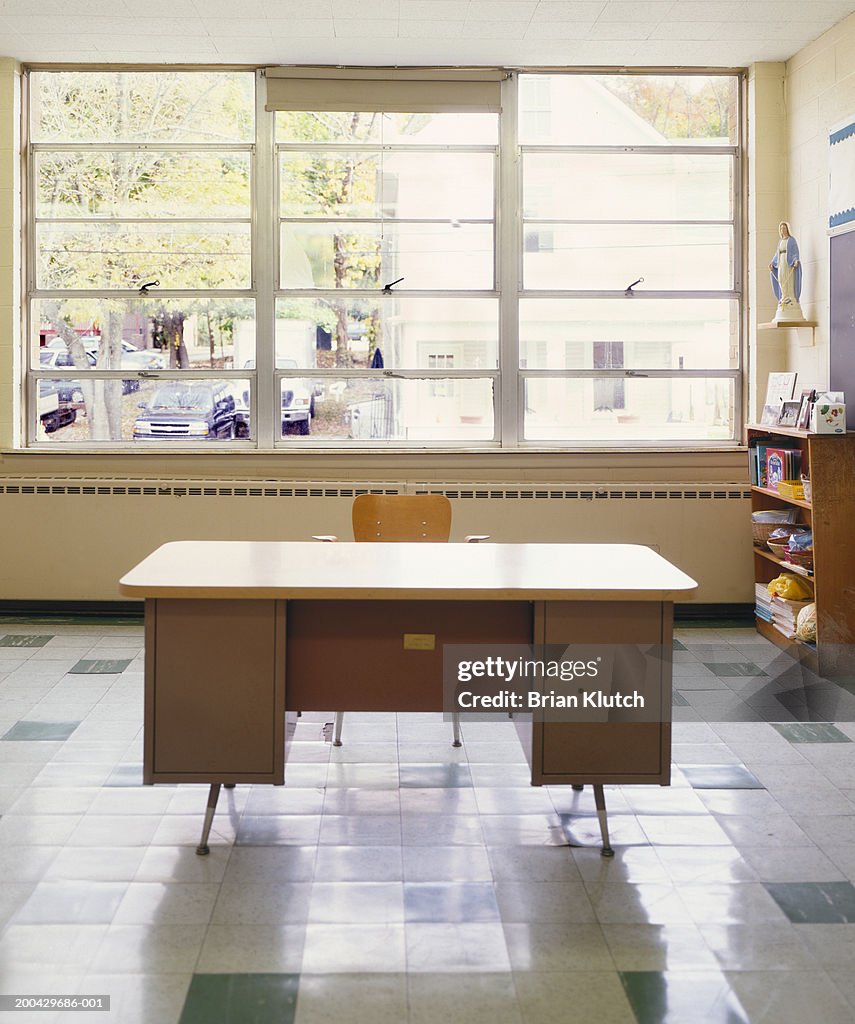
(842, 316)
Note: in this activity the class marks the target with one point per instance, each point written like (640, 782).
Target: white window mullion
(509, 267)
(265, 272)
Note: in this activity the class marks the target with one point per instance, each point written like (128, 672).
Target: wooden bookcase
(829, 460)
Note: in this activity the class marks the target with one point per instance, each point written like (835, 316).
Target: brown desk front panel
(215, 685)
(350, 655)
(613, 751)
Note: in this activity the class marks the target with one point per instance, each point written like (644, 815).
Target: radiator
(72, 538)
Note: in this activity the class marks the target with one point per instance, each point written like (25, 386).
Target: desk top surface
(499, 572)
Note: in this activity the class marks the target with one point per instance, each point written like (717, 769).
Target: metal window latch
(149, 284)
(629, 287)
(634, 373)
(148, 375)
(387, 288)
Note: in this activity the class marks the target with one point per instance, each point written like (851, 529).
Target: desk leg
(213, 795)
(600, 801)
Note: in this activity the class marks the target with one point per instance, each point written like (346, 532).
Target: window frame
(509, 377)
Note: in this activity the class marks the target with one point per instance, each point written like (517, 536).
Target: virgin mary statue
(786, 272)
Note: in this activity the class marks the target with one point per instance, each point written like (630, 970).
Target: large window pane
(165, 411)
(353, 255)
(620, 409)
(612, 256)
(387, 332)
(627, 186)
(142, 183)
(654, 334)
(638, 110)
(389, 129)
(142, 106)
(145, 333)
(364, 409)
(456, 186)
(102, 256)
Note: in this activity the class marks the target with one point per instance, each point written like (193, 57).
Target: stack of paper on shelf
(762, 602)
(785, 613)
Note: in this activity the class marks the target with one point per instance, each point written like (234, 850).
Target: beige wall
(819, 92)
(73, 548)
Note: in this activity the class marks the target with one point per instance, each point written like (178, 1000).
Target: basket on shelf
(791, 489)
(778, 548)
(772, 519)
(806, 487)
(803, 559)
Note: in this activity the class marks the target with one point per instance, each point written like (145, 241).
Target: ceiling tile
(449, 10)
(558, 30)
(420, 29)
(237, 28)
(569, 10)
(619, 30)
(619, 10)
(377, 29)
(307, 28)
(370, 10)
(487, 10)
(494, 30)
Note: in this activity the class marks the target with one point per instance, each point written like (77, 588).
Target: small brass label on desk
(419, 641)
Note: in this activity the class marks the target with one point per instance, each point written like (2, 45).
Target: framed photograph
(789, 414)
(769, 417)
(780, 387)
(803, 420)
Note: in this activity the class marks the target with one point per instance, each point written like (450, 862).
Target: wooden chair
(401, 518)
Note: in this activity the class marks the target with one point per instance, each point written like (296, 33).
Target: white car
(133, 358)
(298, 402)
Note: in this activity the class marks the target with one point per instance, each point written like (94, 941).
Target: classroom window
(301, 278)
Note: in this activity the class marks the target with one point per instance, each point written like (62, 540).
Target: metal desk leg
(213, 795)
(455, 725)
(339, 721)
(600, 801)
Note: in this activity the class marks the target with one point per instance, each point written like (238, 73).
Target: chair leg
(600, 801)
(339, 721)
(455, 725)
(577, 788)
(213, 795)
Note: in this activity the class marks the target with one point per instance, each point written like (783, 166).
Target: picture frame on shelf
(770, 414)
(789, 414)
(780, 387)
(807, 399)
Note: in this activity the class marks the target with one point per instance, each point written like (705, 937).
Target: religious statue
(786, 272)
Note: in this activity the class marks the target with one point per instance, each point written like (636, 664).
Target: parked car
(53, 413)
(133, 358)
(70, 390)
(298, 401)
(187, 411)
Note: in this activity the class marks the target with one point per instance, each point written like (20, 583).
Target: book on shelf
(782, 464)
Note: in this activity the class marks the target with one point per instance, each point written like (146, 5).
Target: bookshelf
(829, 460)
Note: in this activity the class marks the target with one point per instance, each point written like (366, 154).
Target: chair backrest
(402, 517)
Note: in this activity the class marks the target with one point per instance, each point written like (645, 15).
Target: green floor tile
(702, 997)
(815, 902)
(241, 999)
(678, 700)
(24, 641)
(721, 776)
(812, 732)
(679, 646)
(730, 669)
(100, 666)
(40, 731)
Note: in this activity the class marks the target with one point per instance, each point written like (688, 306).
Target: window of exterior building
(202, 271)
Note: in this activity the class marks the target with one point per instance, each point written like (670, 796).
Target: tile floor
(398, 880)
